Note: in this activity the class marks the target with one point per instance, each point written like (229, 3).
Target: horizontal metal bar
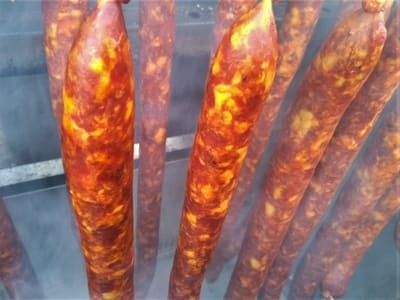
(54, 167)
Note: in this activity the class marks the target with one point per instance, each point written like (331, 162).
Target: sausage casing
(239, 80)
(227, 12)
(294, 35)
(62, 20)
(157, 36)
(336, 281)
(16, 271)
(328, 87)
(349, 137)
(374, 172)
(97, 143)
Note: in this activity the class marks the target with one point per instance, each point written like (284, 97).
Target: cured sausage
(337, 72)
(16, 272)
(347, 7)
(337, 279)
(239, 80)
(294, 35)
(61, 22)
(157, 36)
(97, 143)
(375, 171)
(227, 12)
(349, 137)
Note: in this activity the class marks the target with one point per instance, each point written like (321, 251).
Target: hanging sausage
(157, 37)
(240, 77)
(294, 35)
(62, 20)
(328, 87)
(16, 271)
(376, 170)
(336, 281)
(346, 143)
(97, 143)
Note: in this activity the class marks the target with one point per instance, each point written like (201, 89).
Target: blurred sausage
(328, 87)
(240, 78)
(348, 7)
(347, 141)
(227, 12)
(294, 35)
(97, 142)
(377, 168)
(62, 20)
(157, 36)
(16, 272)
(339, 275)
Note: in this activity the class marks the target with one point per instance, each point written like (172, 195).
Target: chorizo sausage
(61, 22)
(239, 80)
(337, 279)
(97, 143)
(16, 272)
(347, 7)
(157, 36)
(349, 136)
(328, 87)
(227, 12)
(377, 168)
(294, 35)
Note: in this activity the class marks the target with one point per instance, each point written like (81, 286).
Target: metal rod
(54, 167)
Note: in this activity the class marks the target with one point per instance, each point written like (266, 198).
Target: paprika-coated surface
(374, 172)
(227, 12)
(348, 7)
(62, 20)
(240, 77)
(336, 74)
(16, 272)
(157, 37)
(337, 279)
(97, 144)
(294, 35)
(349, 137)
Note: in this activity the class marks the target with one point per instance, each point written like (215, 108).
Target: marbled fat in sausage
(335, 76)
(240, 78)
(347, 141)
(62, 20)
(97, 143)
(377, 168)
(294, 35)
(347, 7)
(16, 271)
(227, 12)
(157, 36)
(337, 279)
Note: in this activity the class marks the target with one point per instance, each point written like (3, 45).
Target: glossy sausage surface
(97, 144)
(227, 12)
(374, 172)
(62, 20)
(239, 80)
(293, 37)
(157, 37)
(328, 87)
(16, 271)
(348, 139)
(337, 279)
